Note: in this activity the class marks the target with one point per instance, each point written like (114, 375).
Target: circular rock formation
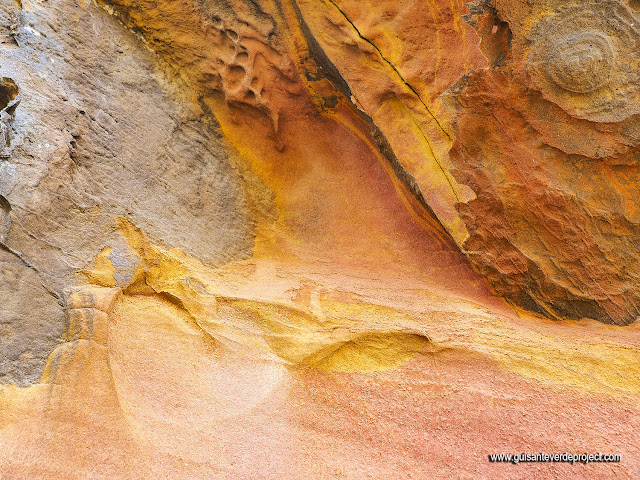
(582, 63)
(584, 59)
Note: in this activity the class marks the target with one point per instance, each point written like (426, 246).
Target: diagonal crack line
(24, 262)
(433, 154)
(331, 72)
(16, 254)
(415, 92)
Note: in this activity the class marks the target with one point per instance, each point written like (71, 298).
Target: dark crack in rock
(9, 99)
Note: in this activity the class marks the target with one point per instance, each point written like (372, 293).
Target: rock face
(548, 139)
(254, 239)
(99, 135)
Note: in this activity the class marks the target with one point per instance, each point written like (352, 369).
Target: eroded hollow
(5, 218)
(9, 94)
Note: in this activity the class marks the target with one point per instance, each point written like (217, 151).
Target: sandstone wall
(255, 239)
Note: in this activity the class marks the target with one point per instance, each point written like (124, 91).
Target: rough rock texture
(238, 238)
(548, 138)
(100, 133)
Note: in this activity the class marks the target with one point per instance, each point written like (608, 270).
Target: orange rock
(551, 155)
